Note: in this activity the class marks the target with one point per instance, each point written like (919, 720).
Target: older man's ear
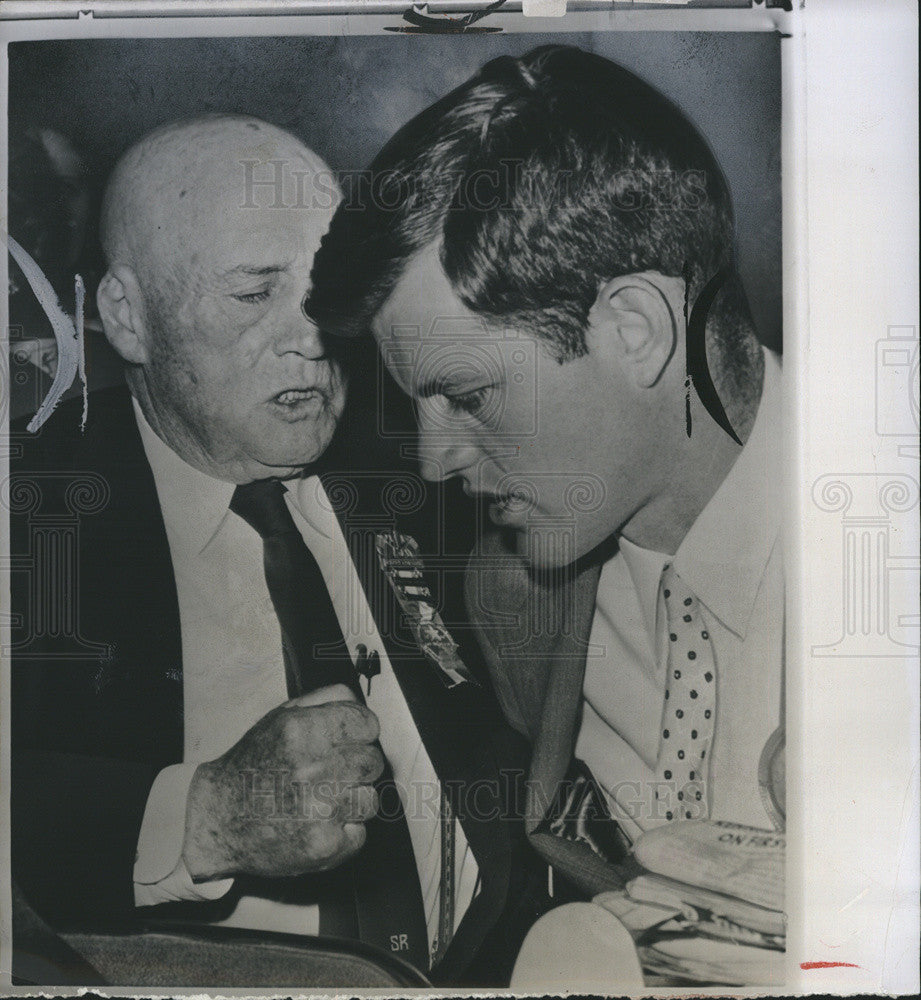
(121, 308)
(633, 321)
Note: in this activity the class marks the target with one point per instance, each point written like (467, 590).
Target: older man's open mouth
(299, 402)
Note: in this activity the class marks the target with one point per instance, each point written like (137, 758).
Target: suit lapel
(461, 727)
(562, 663)
(535, 636)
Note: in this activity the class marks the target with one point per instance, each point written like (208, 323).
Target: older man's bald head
(210, 227)
(189, 174)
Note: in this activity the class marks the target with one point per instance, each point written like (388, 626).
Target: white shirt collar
(723, 556)
(311, 500)
(645, 567)
(194, 505)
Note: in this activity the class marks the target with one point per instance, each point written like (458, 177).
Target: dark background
(346, 95)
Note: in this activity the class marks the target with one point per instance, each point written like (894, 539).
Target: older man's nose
(301, 336)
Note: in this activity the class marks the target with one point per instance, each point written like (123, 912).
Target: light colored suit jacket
(534, 634)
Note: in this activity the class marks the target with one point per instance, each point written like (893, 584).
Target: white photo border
(850, 305)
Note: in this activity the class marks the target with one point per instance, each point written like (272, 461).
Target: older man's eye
(251, 298)
(469, 402)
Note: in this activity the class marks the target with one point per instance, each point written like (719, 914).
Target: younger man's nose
(443, 452)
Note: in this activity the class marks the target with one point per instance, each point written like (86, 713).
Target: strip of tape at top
(543, 8)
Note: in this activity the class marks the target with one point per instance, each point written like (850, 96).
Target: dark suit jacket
(97, 673)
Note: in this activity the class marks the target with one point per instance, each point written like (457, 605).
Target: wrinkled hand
(292, 796)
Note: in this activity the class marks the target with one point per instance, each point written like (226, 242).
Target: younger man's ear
(634, 317)
(121, 310)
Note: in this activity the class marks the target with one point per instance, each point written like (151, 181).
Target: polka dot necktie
(689, 711)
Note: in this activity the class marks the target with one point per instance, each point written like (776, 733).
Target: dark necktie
(382, 882)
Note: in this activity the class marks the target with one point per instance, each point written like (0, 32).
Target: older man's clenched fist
(292, 796)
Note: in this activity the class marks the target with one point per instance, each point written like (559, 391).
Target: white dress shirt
(731, 560)
(233, 674)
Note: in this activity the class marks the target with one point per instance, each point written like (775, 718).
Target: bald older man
(196, 738)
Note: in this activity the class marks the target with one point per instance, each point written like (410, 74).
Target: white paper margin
(850, 284)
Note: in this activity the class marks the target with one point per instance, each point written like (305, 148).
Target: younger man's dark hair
(539, 179)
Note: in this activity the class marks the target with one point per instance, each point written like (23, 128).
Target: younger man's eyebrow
(441, 384)
(255, 270)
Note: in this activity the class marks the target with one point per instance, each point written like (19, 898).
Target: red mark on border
(828, 965)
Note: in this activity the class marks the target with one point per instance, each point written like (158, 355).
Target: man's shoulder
(65, 442)
(96, 466)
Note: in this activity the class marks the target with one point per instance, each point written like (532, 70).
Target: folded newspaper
(708, 907)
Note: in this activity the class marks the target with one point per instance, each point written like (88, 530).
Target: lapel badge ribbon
(402, 565)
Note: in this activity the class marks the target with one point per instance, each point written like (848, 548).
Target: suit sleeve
(160, 874)
(75, 826)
